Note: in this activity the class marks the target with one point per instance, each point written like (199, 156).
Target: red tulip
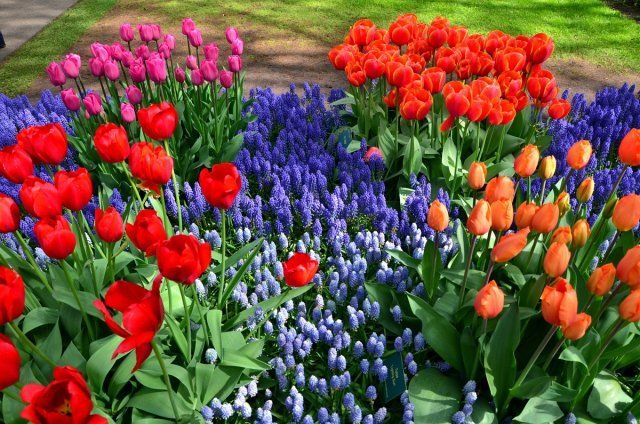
(362, 32)
(75, 188)
(433, 79)
(55, 237)
(629, 150)
(559, 108)
(146, 232)
(416, 104)
(355, 73)
(66, 400)
(542, 85)
(220, 185)
(15, 164)
(9, 214)
(182, 258)
(398, 74)
(151, 164)
(401, 30)
(158, 120)
(539, 48)
(510, 59)
(142, 314)
(341, 55)
(40, 198)
(46, 144)
(10, 364)
(11, 295)
(109, 225)
(112, 143)
(299, 270)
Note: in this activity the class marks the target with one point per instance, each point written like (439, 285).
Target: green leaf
(573, 354)
(52, 345)
(178, 336)
(499, 359)
(483, 413)
(531, 292)
(204, 382)
(439, 333)
(435, 396)
(100, 363)
(514, 274)
(607, 399)
(39, 317)
(449, 154)
(241, 272)
(532, 387)
(404, 258)
(234, 358)
(412, 161)
(430, 268)
(11, 409)
(238, 254)
(214, 321)
(384, 296)
(222, 383)
(538, 410)
(157, 403)
(559, 393)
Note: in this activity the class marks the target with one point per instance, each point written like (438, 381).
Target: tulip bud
(127, 112)
(509, 246)
(479, 222)
(226, 78)
(585, 190)
(235, 63)
(209, 70)
(180, 74)
(579, 154)
(547, 167)
(111, 70)
(626, 213)
(489, 301)
(559, 303)
(196, 77)
(373, 151)
(556, 260)
(580, 232)
(56, 74)
(629, 150)
(195, 37)
(499, 188)
(577, 328)
(237, 47)
(438, 216)
(562, 235)
(211, 52)
(601, 280)
(563, 203)
(126, 32)
(477, 176)
(299, 270)
(545, 218)
(10, 368)
(93, 104)
(108, 224)
(628, 269)
(501, 215)
(134, 94)
(9, 214)
(527, 161)
(630, 307)
(96, 67)
(70, 99)
(525, 214)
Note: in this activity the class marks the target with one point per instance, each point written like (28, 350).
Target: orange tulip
(626, 212)
(556, 260)
(546, 218)
(630, 307)
(477, 175)
(525, 214)
(438, 217)
(629, 150)
(601, 280)
(479, 222)
(581, 231)
(585, 190)
(578, 327)
(579, 154)
(489, 301)
(563, 203)
(509, 246)
(501, 215)
(562, 235)
(628, 269)
(499, 188)
(527, 161)
(547, 167)
(559, 303)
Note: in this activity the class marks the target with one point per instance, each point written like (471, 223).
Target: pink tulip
(93, 104)
(232, 34)
(143, 51)
(56, 74)
(196, 77)
(237, 47)
(128, 112)
(211, 52)
(70, 99)
(157, 69)
(146, 32)
(96, 67)
(100, 52)
(137, 71)
(179, 74)
(170, 40)
(126, 32)
(235, 63)
(191, 62)
(111, 70)
(187, 26)
(164, 50)
(157, 31)
(209, 70)
(127, 58)
(133, 94)
(373, 151)
(71, 65)
(117, 50)
(226, 78)
(195, 38)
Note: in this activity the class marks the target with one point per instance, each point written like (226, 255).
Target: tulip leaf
(559, 393)
(178, 336)
(404, 258)
(236, 358)
(538, 410)
(238, 254)
(384, 296)
(449, 156)
(38, 317)
(483, 413)
(100, 362)
(607, 399)
(531, 292)
(412, 161)
(240, 273)
(12, 408)
(157, 403)
(435, 396)
(532, 387)
(214, 321)
(499, 359)
(573, 354)
(430, 268)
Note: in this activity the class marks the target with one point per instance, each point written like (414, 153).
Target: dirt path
(277, 57)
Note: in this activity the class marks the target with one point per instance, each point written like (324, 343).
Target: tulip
(191, 62)
(126, 32)
(137, 71)
(111, 143)
(499, 188)
(133, 94)
(398, 74)
(146, 232)
(601, 280)
(341, 55)
(164, 50)
(182, 258)
(111, 70)
(527, 161)
(489, 301)
(547, 167)
(401, 31)
(151, 164)
(525, 213)
(209, 70)
(509, 246)
(195, 37)
(438, 216)
(545, 218)
(237, 47)
(108, 224)
(480, 219)
(127, 112)
(563, 202)
(585, 190)
(40, 198)
(562, 235)
(196, 77)
(559, 303)
(626, 213)
(226, 78)
(416, 104)
(371, 152)
(71, 65)
(235, 63)
(577, 328)
(580, 232)
(75, 188)
(362, 32)
(56, 74)
(70, 99)
(556, 259)
(9, 214)
(187, 26)
(477, 175)
(157, 69)
(374, 65)
(579, 154)
(299, 270)
(211, 52)
(117, 51)
(55, 237)
(180, 75)
(96, 66)
(539, 48)
(628, 269)
(541, 84)
(93, 104)
(629, 308)
(220, 185)
(12, 295)
(629, 150)
(559, 108)
(15, 164)
(10, 365)
(159, 120)
(355, 74)
(146, 32)
(46, 144)
(501, 215)
(231, 34)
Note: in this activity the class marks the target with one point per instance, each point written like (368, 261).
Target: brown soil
(277, 57)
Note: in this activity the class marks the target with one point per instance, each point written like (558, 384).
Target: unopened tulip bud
(607, 211)
(626, 213)
(601, 280)
(489, 301)
(585, 190)
(577, 328)
(563, 203)
(630, 307)
(562, 235)
(580, 232)
(477, 176)
(547, 167)
(556, 259)
(579, 154)
(438, 216)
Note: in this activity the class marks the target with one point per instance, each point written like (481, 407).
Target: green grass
(22, 67)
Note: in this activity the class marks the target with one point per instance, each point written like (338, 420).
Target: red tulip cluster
(481, 77)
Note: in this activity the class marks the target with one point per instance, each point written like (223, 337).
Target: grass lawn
(585, 29)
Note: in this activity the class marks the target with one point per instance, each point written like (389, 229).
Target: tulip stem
(187, 316)
(30, 259)
(205, 327)
(476, 361)
(165, 375)
(466, 271)
(223, 259)
(176, 188)
(74, 292)
(542, 190)
(489, 271)
(612, 245)
(555, 350)
(133, 186)
(608, 300)
(28, 343)
(533, 249)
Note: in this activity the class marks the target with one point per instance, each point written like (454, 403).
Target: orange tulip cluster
(481, 77)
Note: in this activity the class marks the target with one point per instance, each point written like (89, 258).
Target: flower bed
(351, 265)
